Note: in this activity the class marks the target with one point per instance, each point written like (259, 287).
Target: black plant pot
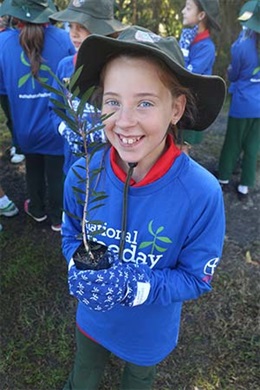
(103, 258)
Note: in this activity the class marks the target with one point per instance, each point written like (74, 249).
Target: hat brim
(93, 25)
(209, 91)
(214, 23)
(34, 16)
(249, 16)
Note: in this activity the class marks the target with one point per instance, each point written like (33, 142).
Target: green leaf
(164, 239)
(77, 174)
(84, 99)
(42, 79)
(145, 244)
(150, 228)
(256, 70)
(72, 215)
(45, 68)
(23, 79)
(75, 77)
(78, 190)
(159, 248)
(23, 60)
(159, 230)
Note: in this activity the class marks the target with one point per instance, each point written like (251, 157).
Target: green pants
(89, 366)
(193, 137)
(242, 140)
(45, 172)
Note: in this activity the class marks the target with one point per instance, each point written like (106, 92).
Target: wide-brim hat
(97, 16)
(32, 11)
(249, 15)
(211, 7)
(209, 91)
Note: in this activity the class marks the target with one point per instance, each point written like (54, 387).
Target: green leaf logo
(28, 75)
(156, 237)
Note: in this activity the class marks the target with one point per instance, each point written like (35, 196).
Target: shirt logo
(209, 268)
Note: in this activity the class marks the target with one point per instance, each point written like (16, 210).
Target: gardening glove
(103, 289)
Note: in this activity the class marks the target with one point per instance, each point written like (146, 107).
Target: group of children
(163, 218)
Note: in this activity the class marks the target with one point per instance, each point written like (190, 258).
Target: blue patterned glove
(101, 290)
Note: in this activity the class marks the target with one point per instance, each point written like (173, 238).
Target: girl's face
(143, 108)
(191, 14)
(77, 34)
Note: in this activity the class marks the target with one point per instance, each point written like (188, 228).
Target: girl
(200, 16)
(37, 48)
(243, 129)
(88, 17)
(171, 237)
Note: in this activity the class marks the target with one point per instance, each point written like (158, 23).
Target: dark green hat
(249, 15)
(95, 51)
(32, 11)
(211, 7)
(97, 16)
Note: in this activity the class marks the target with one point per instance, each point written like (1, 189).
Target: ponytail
(32, 42)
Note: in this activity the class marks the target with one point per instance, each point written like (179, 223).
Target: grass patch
(219, 338)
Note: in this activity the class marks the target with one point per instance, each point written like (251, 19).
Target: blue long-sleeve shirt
(244, 75)
(175, 226)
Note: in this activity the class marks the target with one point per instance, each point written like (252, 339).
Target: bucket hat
(32, 11)
(95, 15)
(211, 7)
(249, 15)
(209, 91)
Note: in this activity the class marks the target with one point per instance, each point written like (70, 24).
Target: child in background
(242, 137)
(133, 309)
(199, 17)
(15, 154)
(88, 17)
(37, 48)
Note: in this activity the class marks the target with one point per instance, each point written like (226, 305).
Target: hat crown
(32, 4)
(211, 7)
(32, 11)
(168, 46)
(100, 9)
(249, 15)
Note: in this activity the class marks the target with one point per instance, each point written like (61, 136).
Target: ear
(201, 16)
(178, 109)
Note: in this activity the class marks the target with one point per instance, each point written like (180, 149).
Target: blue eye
(146, 104)
(112, 103)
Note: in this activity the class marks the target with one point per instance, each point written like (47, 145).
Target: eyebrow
(141, 94)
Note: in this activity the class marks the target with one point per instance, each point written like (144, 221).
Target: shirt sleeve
(198, 259)
(201, 60)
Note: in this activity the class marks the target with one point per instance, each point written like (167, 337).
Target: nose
(125, 117)
(73, 31)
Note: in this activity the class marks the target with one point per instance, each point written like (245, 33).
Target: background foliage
(164, 16)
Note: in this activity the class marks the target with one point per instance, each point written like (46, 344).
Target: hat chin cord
(125, 208)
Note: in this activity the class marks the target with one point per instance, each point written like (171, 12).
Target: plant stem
(84, 235)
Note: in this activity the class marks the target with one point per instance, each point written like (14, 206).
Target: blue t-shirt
(32, 124)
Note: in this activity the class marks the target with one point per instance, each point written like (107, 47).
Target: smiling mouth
(129, 140)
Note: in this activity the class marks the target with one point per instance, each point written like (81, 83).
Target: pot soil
(103, 258)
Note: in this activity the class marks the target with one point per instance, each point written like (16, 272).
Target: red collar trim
(158, 170)
(75, 59)
(199, 37)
